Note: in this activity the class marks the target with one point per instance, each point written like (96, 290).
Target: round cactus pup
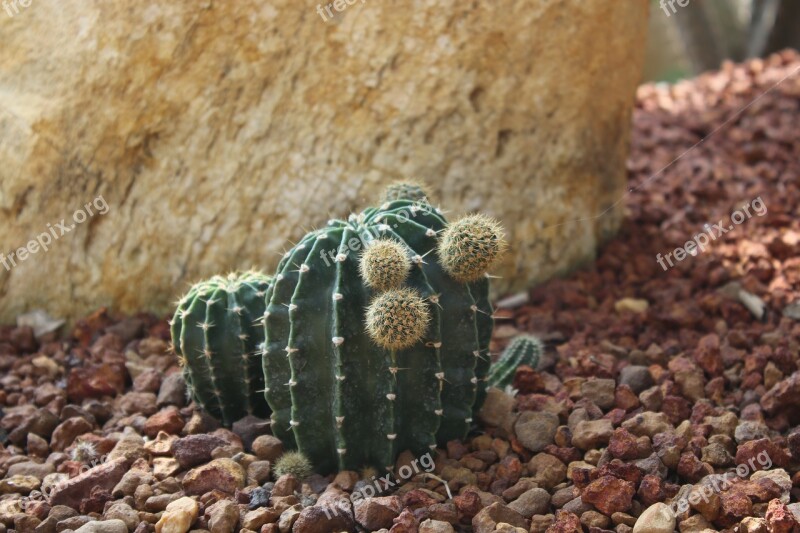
(384, 265)
(397, 319)
(469, 247)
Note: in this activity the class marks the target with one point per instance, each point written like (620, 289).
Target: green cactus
(371, 346)
(218, 333)
(523, 350)
(294, 463)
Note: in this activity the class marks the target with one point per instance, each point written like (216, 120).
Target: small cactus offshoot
(405, 190)
(217, 333)
(384, 265)
(397, 319)
(470, 246)
(294, 463)
(84, 452)
(522, 350)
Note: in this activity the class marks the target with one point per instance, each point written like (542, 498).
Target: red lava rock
(651, 490)
(168, 420)
(104, 476)
(626, 446)
(95, 381)
(625, 398)
(676, 408)
(609, 494)
(67, 431)
(565, 454)
(566, 523)
(468, 504)
(193, 450)
(618, 469)
(692, 469)
(735, 506)
(760, 454)
(779, 518)
(785, 396)
(405, 523)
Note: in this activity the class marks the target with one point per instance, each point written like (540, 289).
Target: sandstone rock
(534, 501)
(314, 519)
(221, 474)
(536, 430)
(435, 526)
(599, 391)
(124, 512)
(592, 434)
(222, 517)
(179, 516)
(658, 518)
(609, 494)
(414, 96)
(267, 447)
(488, 518)
(67, 431)
(377, 513)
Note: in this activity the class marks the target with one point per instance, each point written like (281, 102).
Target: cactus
(371, 346)
(523, 350)
(217, 333)
(405, 190)
(294, 463)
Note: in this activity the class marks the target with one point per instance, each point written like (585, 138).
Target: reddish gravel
(656, 382)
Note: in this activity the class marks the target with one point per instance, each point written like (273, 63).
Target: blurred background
(685, 41)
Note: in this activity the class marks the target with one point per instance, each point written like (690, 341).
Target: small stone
(592, 434)
(123, 511)
(648, 423)
(249, 428)
(267, 447)
(486, 520)
(19, 484)
(104, 526)
(221, 474)
(566, 522)
(534, 501)
(637, 377)
(179, 516)
(257, 518)
(37, 446)
(194, 450)
(168, 420)
(72, 491)
(286, 485)
(435, 526)
(377, 513)
(593, 519)
(497, 409)
(779, 518)
(609, 494)
(599, 391)
(222, 516)
(658, 518)
(128, 449)
(172, 391)
(314, 519)
(258, 471)
(634, 305)
(536, 430)
(29, 468)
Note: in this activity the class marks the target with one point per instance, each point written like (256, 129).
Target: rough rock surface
(216, 131)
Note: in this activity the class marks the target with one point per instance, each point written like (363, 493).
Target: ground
(668, 378)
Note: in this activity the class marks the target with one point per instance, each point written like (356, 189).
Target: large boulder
(217, 131)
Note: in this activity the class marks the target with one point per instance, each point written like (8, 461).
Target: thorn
(391, 436)
(338, 341)
(438, 412)
(391, 397)
(341, 451)
(337, 296)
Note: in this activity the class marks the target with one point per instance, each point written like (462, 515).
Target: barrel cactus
(377, 331)
(217, 333)
(522, 350)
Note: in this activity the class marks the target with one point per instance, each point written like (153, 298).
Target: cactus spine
(523, 350)
(359, 368)
(217, 333)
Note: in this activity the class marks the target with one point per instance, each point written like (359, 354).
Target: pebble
(377, 513)
(599, 391)
(267, 447)
(179, 516)
(658, 518)
(314, 520)
(592, 434)
(536, 430)
(488, 518)
(534, 501)
(72, 491)
(435, 526)
(104, 526)
(194, 450)
(222, 474)
(222, 516)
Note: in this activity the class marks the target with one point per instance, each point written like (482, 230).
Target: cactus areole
(358, 369)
